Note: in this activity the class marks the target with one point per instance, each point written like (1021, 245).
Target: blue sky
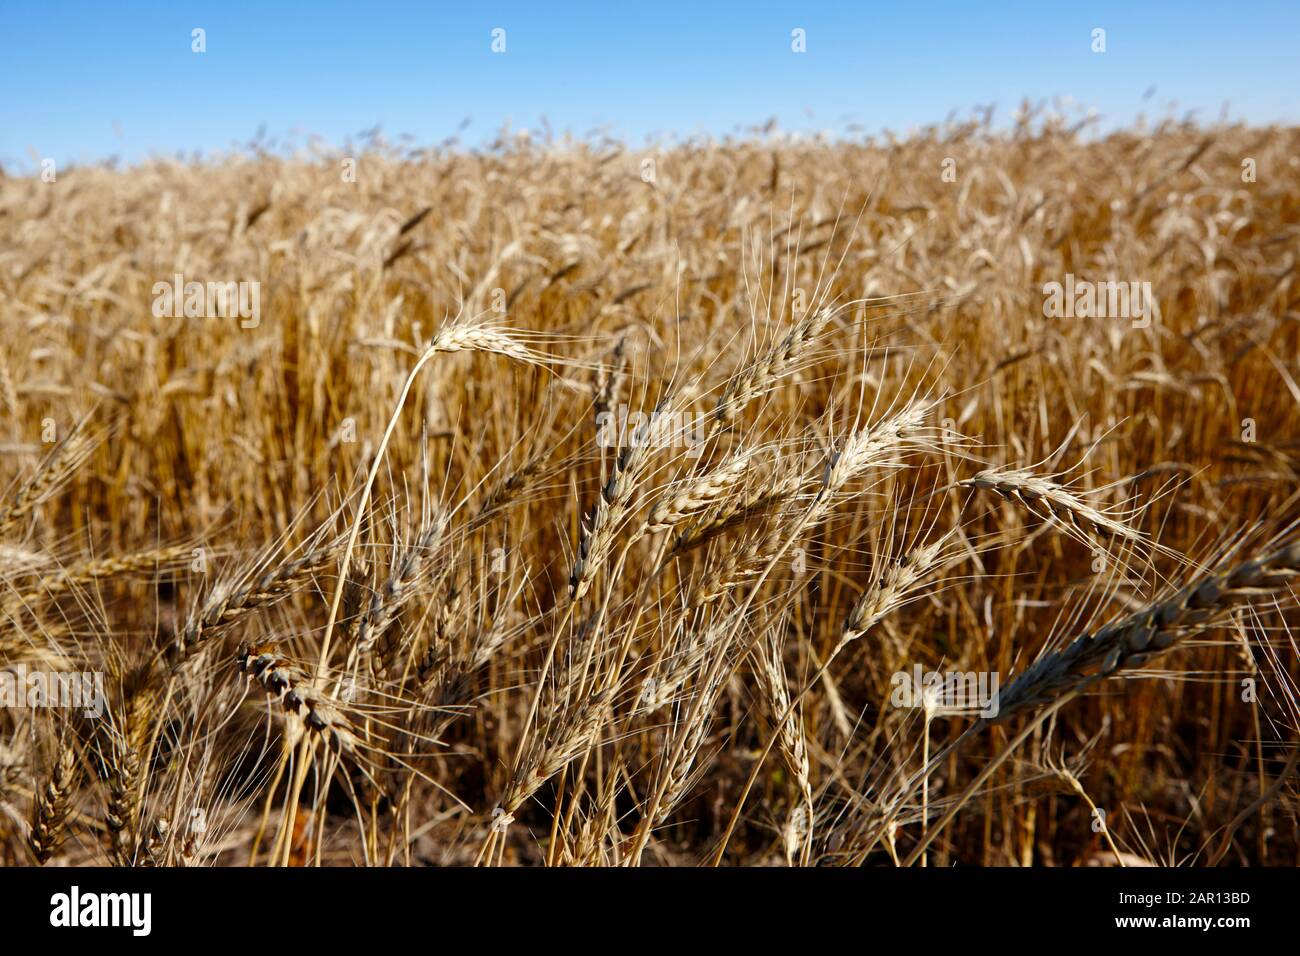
(85, 81)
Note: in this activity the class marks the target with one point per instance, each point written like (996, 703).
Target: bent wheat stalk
(453, 338)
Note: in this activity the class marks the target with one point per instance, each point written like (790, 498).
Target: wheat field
(570, 504)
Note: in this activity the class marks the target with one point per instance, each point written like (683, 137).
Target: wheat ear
(1133, 641)
(52, 805)
(1042, 495)
(227, 605)
(57, 468)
